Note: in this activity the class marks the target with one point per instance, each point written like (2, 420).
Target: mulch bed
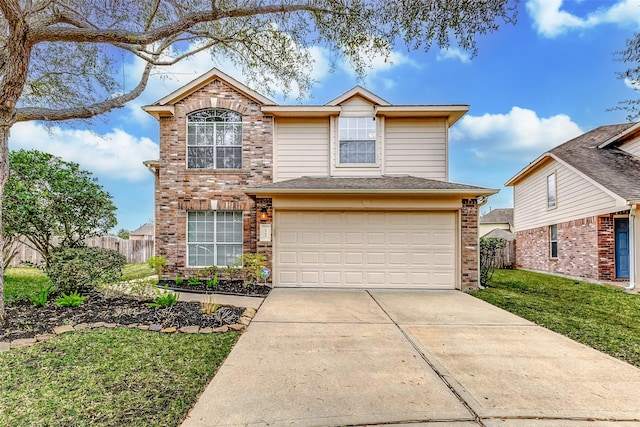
(225, 287)
(26, 321)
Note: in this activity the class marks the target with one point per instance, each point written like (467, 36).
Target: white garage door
(365, 249)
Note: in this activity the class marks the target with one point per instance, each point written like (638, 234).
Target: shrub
(40, 299)
(489, 247)
(252, 263)
(73, 299)
(209, 306)
(157, 264)
(164, 299)
(77, 269)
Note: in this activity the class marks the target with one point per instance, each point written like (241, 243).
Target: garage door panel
(365, 249)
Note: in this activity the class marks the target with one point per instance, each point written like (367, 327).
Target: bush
(489, 247)
(81, 269)
(158, 264)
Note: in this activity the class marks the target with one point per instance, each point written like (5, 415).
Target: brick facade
(180, 190)
(586, 248)
(469, 244)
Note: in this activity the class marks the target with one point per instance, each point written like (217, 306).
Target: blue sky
(532, 86)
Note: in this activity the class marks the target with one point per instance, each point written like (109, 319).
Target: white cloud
(632, 84)
(518, 133)
(116, 155)
(454, 53)
(550, 20)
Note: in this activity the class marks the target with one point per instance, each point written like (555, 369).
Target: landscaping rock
(190, 329)
(98, 325)
(110, 325)
(249, 312)
(44, 337)
(221, 329)
(132, 326)
(244, 321)
(63, 329)
(143, 327)
(81, 326)
(4, 346)
(23, 342)
(237, 326)
(155, 328)
(169, 330)
(206, 330)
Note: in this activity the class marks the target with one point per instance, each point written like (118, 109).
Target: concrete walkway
(417, 358)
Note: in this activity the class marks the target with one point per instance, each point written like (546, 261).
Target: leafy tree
(57, 57)
(631, 56)
(46, 197)
(489, 248)
(123, 234)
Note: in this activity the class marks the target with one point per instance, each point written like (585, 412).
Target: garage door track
(355, 357)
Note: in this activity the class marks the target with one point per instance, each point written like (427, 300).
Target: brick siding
(469, 244)
(180, 190)
(585, 248)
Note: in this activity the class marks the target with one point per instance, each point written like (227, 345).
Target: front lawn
(602, 317)
(108, 377)
(19, 283)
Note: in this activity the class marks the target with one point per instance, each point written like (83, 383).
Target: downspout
(482, 200)
(632, 249)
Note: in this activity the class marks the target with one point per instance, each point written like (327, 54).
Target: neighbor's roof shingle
(504, 215)
(613, 168)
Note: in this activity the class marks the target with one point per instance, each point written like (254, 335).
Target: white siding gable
(577, 197)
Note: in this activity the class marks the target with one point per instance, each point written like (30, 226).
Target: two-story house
(352, 193)
(575, 207)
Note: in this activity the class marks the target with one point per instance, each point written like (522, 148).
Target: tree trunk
(5, 126)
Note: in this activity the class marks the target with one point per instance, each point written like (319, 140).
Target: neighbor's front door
(622, 248)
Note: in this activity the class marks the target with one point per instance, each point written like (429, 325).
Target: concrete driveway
(417, 358)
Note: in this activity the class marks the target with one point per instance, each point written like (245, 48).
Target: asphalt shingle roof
(498, 216)
(613, 168)
(372, 183)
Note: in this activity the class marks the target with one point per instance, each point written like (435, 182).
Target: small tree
(123, 234)
(46, 197)
(631, 56)
(489, 247)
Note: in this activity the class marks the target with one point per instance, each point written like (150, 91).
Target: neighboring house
(496, 219)
(575, 207)
(145, 232)
(352, 193)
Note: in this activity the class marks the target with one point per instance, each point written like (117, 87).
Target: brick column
(265, 248)
(606, 248)
(469, 244)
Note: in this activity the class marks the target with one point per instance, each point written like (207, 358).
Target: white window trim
(188, 243)
(377, 147)
(214, 146)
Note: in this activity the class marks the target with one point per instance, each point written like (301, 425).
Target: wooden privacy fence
(506, 256)
(134, 250)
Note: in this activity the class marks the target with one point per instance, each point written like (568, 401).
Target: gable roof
(372, 185)
(498, 216)
(358, 91)
(614, 169)
(500, 233)
(144, 230)
(165, 104)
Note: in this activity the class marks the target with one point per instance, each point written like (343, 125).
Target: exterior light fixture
(263, 213)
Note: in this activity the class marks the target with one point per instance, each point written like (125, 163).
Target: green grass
(136, 271)
(108, 377)
(601, 317)
(19, 283)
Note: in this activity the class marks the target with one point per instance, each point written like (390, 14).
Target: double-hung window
(213, 238)
(553, 241)
(214, 140)
(357, 140)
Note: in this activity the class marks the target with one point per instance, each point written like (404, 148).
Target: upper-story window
(214, 140)
(357, 136)
(551, 191)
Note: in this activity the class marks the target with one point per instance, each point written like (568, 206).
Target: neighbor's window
(213, 238)
(553, 241)
(551, 191)
(214, 140)
(357, 136)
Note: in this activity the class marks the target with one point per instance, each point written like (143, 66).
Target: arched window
(214, 140)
